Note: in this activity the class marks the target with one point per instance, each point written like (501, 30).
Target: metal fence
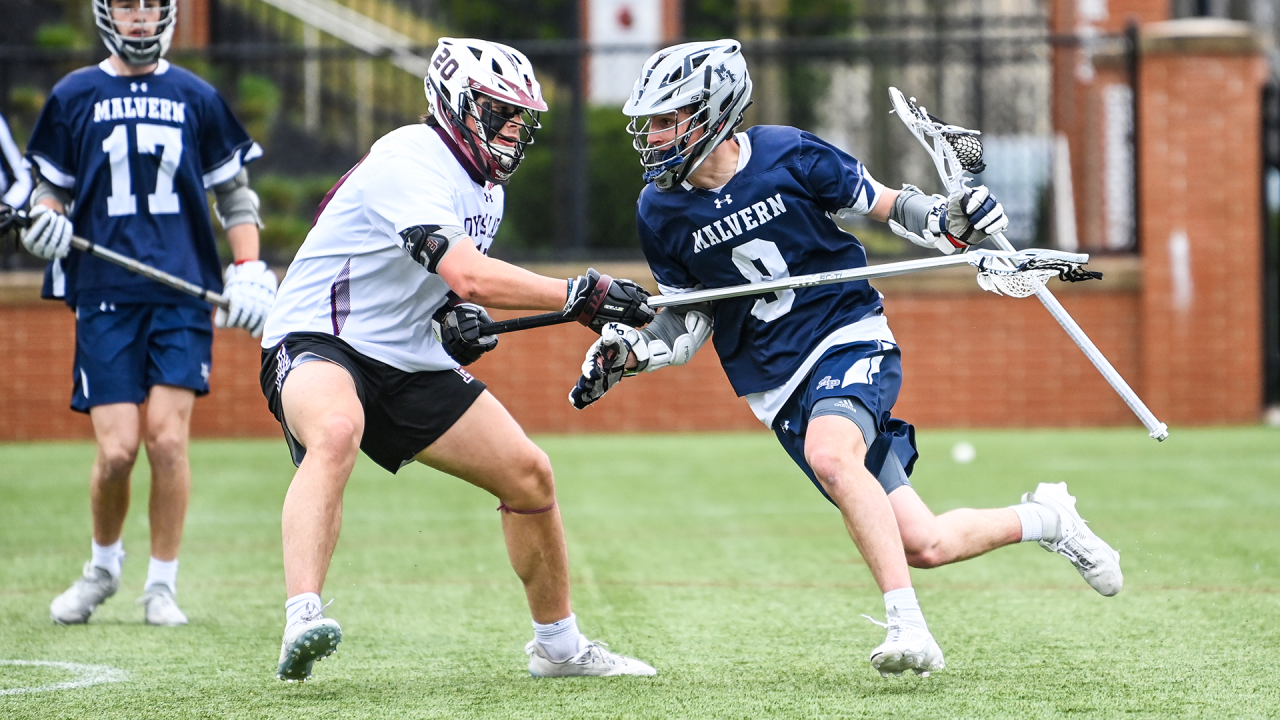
(316, 108)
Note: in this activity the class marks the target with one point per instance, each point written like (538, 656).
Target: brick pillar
(192, 30)
(1200, 160)
(1089, 77)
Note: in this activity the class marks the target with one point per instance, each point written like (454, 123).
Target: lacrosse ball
(963, 452)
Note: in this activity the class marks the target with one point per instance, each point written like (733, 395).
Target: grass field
(710, 556)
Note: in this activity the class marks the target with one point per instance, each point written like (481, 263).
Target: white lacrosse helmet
(710, 76)
(463, 69)
(132, 49)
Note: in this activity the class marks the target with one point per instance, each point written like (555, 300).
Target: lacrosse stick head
(954, 149)
(1022, 274)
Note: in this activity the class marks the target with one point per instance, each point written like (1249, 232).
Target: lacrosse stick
(955, 151)
(1008, 273)
(11, 219)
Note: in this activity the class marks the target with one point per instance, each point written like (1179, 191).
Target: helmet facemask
(489, 117)
(119, 37)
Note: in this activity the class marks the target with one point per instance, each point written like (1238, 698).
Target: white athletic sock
(109, 557)
(163, 572)
(562, 640)
(300, 606)
(1038, 521)
(902, 605)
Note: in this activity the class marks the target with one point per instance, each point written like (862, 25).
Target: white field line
(86, 675)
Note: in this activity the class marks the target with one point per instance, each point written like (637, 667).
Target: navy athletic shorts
(869, 376)
(123, 350)
(404, 412)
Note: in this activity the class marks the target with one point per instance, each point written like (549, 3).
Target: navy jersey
(773, 219)
(138, 154)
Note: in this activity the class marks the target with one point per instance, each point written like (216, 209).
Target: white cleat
(1097, 562)
(314, 638)
(594, 660)
(161, 608)
(906, 648)
(74, 606)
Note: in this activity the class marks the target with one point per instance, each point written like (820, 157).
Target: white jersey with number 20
(352, 277)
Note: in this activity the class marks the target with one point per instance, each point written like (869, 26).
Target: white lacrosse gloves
(605, 363)
(49, 235)
(966, 218)
(251, 288)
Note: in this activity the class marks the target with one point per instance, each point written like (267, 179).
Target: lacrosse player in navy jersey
(124, 154)
(818, 365)
(350, 361)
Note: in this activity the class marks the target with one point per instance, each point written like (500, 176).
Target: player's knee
(116, 459)
(534, 483)
(336, 438)
(167, 445)
(828, 464)
(923, 548)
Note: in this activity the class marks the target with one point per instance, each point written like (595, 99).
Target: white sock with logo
(163, 572)
(562, 640)
(301, 606)
(109, 557)
(902, 605)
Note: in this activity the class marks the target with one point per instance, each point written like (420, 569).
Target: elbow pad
(235, 203)
(428, 244)
(909, 217)
(46, 189)
(671, 339)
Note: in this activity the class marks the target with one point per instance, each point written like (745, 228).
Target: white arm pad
(45, 189)
(235, 203)
(671, 339)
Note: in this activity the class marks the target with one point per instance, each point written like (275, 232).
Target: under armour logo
(828, 383)
(204, 371)
(134, 86)
(786, 426)
(727, 200)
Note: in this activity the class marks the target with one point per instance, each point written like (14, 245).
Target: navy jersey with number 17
(772, 220)
(137, 154)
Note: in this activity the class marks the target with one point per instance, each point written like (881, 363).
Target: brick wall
(970, 359)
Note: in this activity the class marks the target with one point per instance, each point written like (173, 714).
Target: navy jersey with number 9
(137, 155)
(772, 220)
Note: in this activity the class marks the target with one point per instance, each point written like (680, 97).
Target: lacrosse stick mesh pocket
(968, 150)
(1022, 284)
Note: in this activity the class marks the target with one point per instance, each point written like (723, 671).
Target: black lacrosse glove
(460, 332)
(595, 300)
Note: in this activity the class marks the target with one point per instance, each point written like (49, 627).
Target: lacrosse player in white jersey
(819, 366)
(351, 362)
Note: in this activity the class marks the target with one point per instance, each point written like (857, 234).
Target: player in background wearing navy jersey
(124, 154)
(15, 178)
(818, 365)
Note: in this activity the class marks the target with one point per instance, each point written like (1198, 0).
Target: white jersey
(352, 277)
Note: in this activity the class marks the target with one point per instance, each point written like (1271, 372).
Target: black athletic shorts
(403, 412)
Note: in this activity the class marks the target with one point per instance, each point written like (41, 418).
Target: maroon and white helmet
(466, 78)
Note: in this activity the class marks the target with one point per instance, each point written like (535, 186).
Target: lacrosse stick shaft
(524, 323)
(1158, 430)
(800, 281)
(160, 276)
